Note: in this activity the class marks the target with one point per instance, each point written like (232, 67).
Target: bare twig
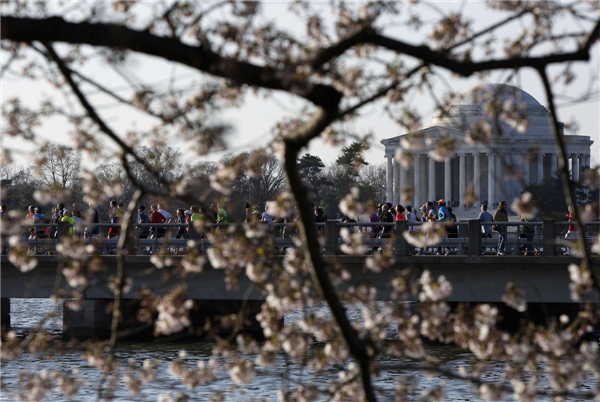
(119, 286)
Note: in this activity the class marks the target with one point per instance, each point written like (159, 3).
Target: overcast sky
(253, 121)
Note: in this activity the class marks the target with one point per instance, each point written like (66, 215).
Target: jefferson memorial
(493, 155)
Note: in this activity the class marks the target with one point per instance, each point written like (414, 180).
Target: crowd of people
(86, 223)
(429, 212)
(150, 224)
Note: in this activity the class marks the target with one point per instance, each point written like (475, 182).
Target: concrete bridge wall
(474, 279)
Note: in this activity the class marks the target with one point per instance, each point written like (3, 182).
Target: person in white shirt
(168, 217)
(411, 217)
(79, 223)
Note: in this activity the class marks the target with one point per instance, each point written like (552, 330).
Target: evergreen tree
(352, 157)
(310, 167)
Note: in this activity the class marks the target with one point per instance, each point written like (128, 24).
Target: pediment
(430, 132)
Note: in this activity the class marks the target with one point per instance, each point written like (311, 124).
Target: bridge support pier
(208, 319)
(212, 317)
(5, 312)
(94, 319)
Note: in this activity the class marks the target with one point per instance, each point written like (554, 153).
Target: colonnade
(507, 174)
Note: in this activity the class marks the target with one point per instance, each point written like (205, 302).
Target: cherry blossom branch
(200, 58)
(382, 92)
(119, 285)
(128, 150)
(360, 349)
(56, 29)
(441, 59)
(490, 28)
(466, 69)
(568, 185)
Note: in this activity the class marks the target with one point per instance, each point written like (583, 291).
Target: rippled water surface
(25, 314)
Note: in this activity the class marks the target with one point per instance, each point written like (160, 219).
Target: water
(284, 376)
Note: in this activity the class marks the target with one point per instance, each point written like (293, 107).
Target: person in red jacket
(157, 217)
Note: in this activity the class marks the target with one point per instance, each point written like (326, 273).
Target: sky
(253, 121)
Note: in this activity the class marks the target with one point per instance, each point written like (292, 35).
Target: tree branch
(466, 69)
(119, 285)
(340, 47)
(310, 244)
(568, 185)
(441, 58)
(98, 120)
(56, 29)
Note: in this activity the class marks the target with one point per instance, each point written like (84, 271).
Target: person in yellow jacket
(67, 218)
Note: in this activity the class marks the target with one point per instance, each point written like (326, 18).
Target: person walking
(374, 229)
(267, 216)
(443, 214)
(221, 215)
(410, 217)
(168, 217)
(181, 219)
(67, 218)
(452, 229)
(157, 217)
(249, 217)
(527, 232)
(143, 217)
(400, 213)
(572, 233)
(386, 217)
(114, 216)
(501, 215)
(485, 216)
(93, 219)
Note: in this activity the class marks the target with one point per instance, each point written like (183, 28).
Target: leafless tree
(372, 182)
(59, 166)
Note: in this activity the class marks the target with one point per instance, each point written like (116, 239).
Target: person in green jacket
(221, 214)
(67, 218)
(195, 214)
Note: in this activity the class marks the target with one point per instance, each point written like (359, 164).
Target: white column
(491, 179)
(575, 163)
(417, 181)
(554, 165)
(477, 176)
(389, 175)
(448, 181)
(431, 178)
(540, 168)
(462, 183)
(396, 197)
(526, 181)
(517, 171)
(403, 185)
(500, 187)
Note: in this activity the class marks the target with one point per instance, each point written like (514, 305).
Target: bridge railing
(459, 238)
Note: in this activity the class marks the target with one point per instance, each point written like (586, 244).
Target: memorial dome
(484, 102)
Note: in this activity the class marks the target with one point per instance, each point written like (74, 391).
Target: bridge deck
(474, 279)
